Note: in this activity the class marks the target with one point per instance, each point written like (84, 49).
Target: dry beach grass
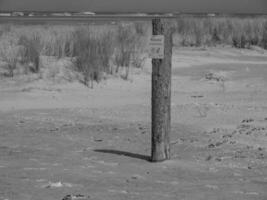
(107, 49)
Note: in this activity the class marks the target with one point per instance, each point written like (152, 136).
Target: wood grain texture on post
(161, 95)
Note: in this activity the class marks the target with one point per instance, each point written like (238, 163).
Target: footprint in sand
(56, 185)
(118, 191)
(29, 169)
(213, 187)
(107, 163)
(137, 176)
(97, 172)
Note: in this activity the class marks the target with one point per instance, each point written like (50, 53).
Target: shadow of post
(124, 153)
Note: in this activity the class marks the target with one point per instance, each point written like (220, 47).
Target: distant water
(104, 18)
(72, 19)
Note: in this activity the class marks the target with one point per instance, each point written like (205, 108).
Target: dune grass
(209, 31)
(99, 50)
(93, 49)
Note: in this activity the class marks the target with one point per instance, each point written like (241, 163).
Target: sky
(148, 6)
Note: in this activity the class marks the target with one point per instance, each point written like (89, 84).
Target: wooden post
(161, 96)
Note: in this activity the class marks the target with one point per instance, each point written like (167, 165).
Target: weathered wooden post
(161, 95)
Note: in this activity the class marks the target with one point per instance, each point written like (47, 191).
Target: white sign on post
(156, 47)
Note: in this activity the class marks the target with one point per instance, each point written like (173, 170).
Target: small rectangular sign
(156, 47)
